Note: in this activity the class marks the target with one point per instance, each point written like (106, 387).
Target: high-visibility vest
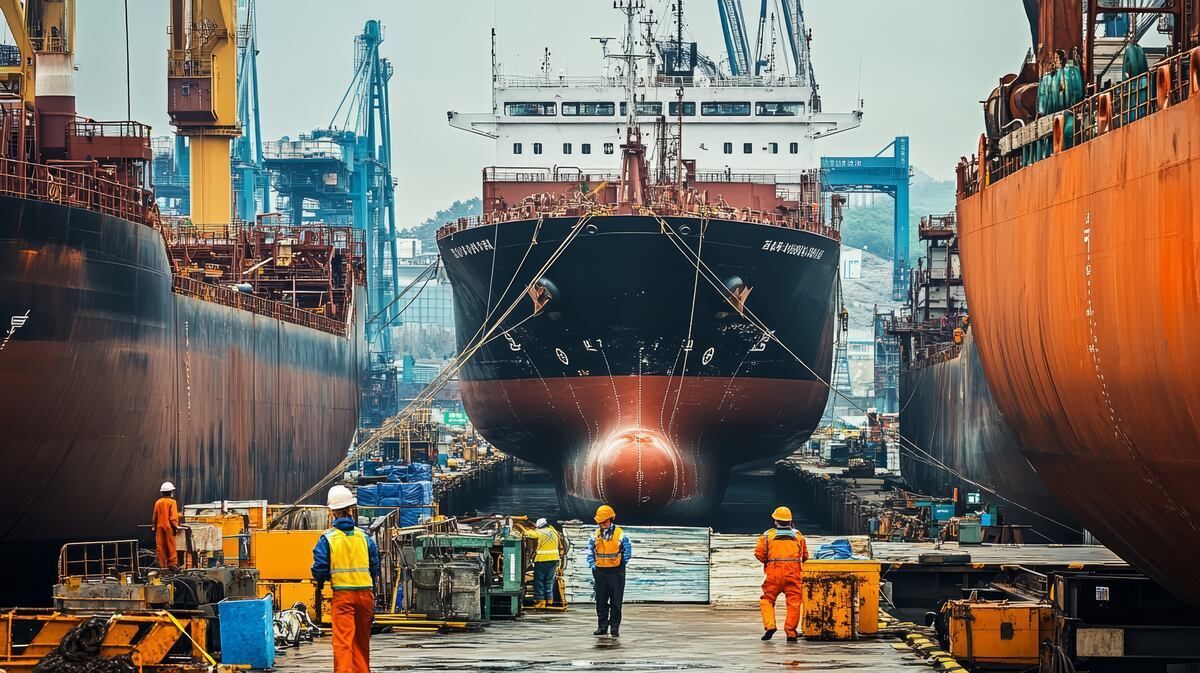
(349, 559)
(608, 550)
(791, 535)
(547, 545)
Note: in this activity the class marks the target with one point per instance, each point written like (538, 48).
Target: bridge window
(517, 149)
(747, 148)
(608, 148)
(689, 108)
(728, 148)
(589, 109)
(772, 109)
(794, 148)
(644, 109)
(530, 109)
(773, 148)
(537, 148)
(585, 148)
(566, 148)
(720, 109)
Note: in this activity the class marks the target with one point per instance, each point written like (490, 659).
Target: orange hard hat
(604, 513)
(782, 514)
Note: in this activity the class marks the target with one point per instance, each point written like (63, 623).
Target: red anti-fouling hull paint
(110, 383)
(637, 383)
(652, 446)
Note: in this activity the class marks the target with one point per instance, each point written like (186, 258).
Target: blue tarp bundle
(368, 496)
(388, 489)
(838, 550)
(416, 493)
(411, 516)
(420, 472)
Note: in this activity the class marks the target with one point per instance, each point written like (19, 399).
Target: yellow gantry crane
(202, 101)
(17, 78)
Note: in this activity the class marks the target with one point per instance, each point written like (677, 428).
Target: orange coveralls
(166, 522)
(782, 551)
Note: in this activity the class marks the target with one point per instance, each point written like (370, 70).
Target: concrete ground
(653, 638)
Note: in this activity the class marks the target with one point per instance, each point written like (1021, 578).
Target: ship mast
(634, 185)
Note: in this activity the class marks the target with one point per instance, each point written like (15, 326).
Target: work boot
(768, 633)
(792, 639)
(600, 631)
(538, 605)
(616, 632)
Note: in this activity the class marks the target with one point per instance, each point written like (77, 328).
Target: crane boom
(759, 61)
(733, 25)
(797, 35)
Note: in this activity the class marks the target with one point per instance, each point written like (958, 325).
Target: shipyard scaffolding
(342, 174)
(887, 364)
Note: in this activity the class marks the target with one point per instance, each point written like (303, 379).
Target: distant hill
(427, 230)
(870, 228)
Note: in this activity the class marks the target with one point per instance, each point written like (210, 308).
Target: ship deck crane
(202, 101)
(17, 74)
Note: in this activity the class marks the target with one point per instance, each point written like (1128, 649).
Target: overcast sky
(922, 68)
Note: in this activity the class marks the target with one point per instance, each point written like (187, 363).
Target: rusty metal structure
(223, 356)
(947, 408)
(1078, 239)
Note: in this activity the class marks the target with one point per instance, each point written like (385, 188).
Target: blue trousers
(544, 574)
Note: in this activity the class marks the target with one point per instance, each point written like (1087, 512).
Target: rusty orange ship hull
(1081, 272)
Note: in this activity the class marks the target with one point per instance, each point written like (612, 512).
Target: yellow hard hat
(782, 514)
(604, 513)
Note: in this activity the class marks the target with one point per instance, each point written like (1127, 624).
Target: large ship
(640, 333)
(1078, 240)
(946, 408)
(221, 356)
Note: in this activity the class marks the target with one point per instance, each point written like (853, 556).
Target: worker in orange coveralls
(347, 558)
(782, 551)
(166, 524)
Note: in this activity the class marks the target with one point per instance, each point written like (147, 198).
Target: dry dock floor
(653, 638)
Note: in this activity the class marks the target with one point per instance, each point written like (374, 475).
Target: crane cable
(757, 322)
(451, 370)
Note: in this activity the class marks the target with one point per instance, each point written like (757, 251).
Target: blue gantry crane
(251, 183)
(342, 174)
(881, 175)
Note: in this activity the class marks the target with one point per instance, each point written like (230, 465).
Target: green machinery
(503, 560)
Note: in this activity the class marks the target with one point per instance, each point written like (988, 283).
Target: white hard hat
(167, 486)
(541, 523)
(340, 497)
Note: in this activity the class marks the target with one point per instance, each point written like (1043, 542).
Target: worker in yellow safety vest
(608, 554)
(347, 558)
(545, 562)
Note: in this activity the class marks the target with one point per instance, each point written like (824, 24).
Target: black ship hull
(947, 409)
(111, 383)
(639, 384)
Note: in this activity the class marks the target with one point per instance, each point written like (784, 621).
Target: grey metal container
(465, 590)
(427, 589)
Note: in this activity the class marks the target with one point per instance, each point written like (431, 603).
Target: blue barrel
(247, 632)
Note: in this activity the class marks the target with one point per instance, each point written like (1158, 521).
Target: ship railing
(114, 129)
(77, 184)
(574, 174)
(555, 82)
(811, 222)
(227, 296)
(1168, 83)
(91, 561)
